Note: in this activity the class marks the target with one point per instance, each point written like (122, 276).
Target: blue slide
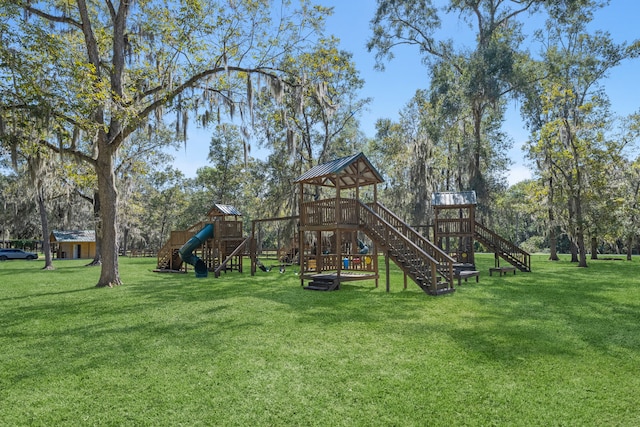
(186, 251)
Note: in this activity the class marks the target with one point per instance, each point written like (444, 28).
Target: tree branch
(61, 150)
(61, 19)
(191, 82)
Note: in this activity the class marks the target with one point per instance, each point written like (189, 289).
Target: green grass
(559, 346)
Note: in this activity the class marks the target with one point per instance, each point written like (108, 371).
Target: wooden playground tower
(456, 230)
(335, 220)
(454, 224)
(341, 220)
(218, 250)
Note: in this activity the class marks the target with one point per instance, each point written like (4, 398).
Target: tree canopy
(99, 71)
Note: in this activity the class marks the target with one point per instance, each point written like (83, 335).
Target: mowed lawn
(559, 346)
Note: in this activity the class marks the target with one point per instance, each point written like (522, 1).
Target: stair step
(322, 286)
(312, 287)
(442, 291)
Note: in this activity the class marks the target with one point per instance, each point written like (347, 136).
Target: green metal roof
(224, 210)
(346, 172)
(451, 198)
(74, 236)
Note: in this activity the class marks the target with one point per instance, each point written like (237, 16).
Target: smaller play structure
(213, 245)
(456, 229)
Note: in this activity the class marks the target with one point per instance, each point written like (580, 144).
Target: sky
(392, 88)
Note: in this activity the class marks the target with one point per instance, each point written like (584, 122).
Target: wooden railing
(222, 229)
(331, 262)
(227, 229)
(453, 226)
(443, 259)
(180, 237)
(503, 247)
(323, 212)
(425, 270)
(165, 255)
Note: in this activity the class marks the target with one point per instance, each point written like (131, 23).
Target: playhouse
(210, 246)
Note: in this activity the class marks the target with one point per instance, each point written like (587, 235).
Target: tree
(144, 154)
(629, 185)
(226, 175)
(312, 126)
(118, 67)
(571, 140)
(39, 167)
(163, 196)
(482, 77)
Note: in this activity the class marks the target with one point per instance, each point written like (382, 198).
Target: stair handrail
(503, 245)
(411, 233)
(497, 240)
(164, 253)
(417, 249)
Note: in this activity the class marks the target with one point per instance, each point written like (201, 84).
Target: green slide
(186, 251)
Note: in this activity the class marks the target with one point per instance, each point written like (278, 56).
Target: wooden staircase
(503, 248)
(324, 283)
(426, 264)
(169, 259)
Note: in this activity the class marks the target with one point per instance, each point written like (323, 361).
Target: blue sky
(394, 87)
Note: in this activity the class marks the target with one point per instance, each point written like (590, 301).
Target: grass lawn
(559, 346)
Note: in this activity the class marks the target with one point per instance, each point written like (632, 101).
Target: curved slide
(186, 251)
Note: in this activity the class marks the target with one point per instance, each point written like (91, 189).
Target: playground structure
(340, 237)
(345, 216)
(456, 229)
(213, 245)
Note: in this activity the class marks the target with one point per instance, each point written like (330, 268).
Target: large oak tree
(116, 66)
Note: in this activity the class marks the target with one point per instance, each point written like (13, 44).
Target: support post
(253, 249)
(386, 266)
(302, 222)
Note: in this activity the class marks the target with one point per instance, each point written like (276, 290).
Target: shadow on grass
(558, 309)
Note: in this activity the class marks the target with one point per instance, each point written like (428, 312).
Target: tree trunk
(46, 245)
(574, 250)
(553, 244)
(108, 196)
(553, 237)
(594, 248)
(97, 258)
(629, 247)
(580, 232)
(125, 237)
(476, 180)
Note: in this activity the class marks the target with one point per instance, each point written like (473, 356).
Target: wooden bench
(465, 274)
(502, 270)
